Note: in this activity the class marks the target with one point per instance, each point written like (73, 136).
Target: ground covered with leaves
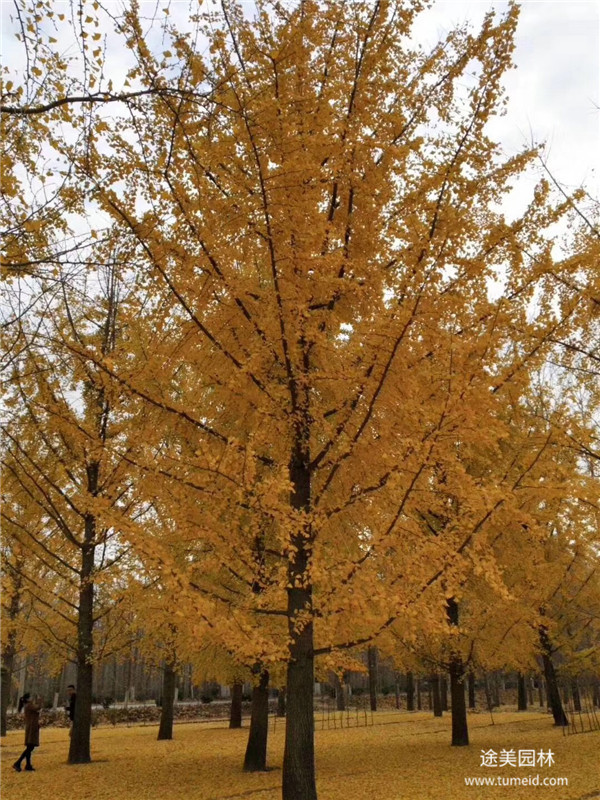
(400, 756)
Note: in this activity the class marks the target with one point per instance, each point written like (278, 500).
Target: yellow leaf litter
(401, 757)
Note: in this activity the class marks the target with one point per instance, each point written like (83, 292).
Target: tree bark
(235, 714)
(575, 694)
(372, 664)
(444, 693)
(521, 693)
(299, 780)
(435, 692)
(410, 692)
(165, 729)
(419, 703)
(255, 759)
(460, 730)
(558, 712)
(471, 681)
(281, 702)
(79, 749)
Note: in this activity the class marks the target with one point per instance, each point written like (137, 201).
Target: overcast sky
(555, 90)
(554, 93)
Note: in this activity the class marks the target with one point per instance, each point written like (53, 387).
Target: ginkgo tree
(315, 219)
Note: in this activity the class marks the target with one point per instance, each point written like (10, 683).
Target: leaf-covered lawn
(408, 759)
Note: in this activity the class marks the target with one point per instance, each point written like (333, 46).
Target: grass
(408, 760)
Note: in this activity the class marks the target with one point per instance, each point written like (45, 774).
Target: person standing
(70, 709)
(32, 730)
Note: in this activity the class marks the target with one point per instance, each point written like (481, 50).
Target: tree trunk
(255, 759)
(397, 690)
(521, 693)
(79, 749)
(436, 697)
(541, 691)
(235, 714)
(460, 731)
(7, 668)
(281, 702)
(575, 694)
(530, 690)
(299, 781)
(496, 691)
(419, 703)
(372, 664)
(471, 681)
(560, 718)
(165, 729)
(444, 693)
(410, 692)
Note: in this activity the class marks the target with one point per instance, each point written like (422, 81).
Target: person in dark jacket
(72, 695)
(70, 709)
(31, 708)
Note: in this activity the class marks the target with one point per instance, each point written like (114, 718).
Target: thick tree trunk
(255, 759)
(372, 664)
(235, 714)
(410, 692)
(299, 780)
(434, 682)
(521, 693)
(165, 729)
(79, 749)
(460, 731)
(281, 702)
(558, 712)
(471, 682)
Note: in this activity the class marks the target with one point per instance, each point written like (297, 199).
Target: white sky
(554, 92)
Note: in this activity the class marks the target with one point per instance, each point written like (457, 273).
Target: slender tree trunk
(496, 690)
(10, 648)
(435, 691)
(540, 682)
(299, 780)
(530, 690)
(410, 692)
(575, 694)
(521, 693)
(235, 714)
(167, 711)
(79, 749)
(444, 692)
(397, 690)
(372, 664)
(419, 703)
(558, 712)
(281, 702)
(255, 759)
(471, 682)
